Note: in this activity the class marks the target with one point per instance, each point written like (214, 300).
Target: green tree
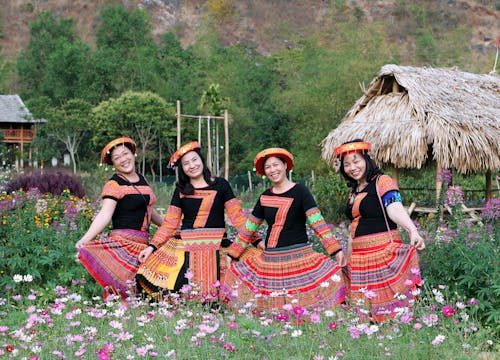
(38, 59)
(212, 102)
(126, 57)
(319, 83)
(180, 74)
(139, 115)
(67, 124)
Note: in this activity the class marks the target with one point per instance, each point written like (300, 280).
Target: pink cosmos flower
(333, 325)
(370, 294)
(438, 340)
(282, 317)
(472, 302)
(188, 275)
(408, 282)
(298, 310)
(448, 311)
(417, 326)
(229, 347)
(406, 319)
(102, 355)
(315, 318)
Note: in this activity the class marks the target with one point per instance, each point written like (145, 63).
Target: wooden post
(22, 147)
(161, 170)
(178, 124)
(395, 175)
(209, 145)
(226, 144)
(217, 158)
(250, 186)
(395, 86)
(487, 195)
(199, 129)
(439, 183)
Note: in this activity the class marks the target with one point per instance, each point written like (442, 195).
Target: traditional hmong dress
(289, 271)
(197, 246)
(382, 271)
(112, 260)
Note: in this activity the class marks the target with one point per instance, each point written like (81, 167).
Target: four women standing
(382, 272)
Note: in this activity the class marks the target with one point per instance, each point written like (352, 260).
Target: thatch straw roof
(411, 114)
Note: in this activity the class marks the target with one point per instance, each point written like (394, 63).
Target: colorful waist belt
(202, 239)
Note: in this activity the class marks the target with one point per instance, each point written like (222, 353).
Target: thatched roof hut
(411, 114)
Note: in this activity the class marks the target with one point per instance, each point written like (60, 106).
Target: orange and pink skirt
(295, 275)
(382, 275)
(112, 260)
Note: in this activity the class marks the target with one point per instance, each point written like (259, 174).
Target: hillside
(264, 25)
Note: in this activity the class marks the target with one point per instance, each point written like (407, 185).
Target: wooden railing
(18, 135)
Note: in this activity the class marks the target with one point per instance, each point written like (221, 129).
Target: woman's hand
(228, 261)
(416, 239)
(81, 243)
(341, 259)
(144, 254)
(261, 245)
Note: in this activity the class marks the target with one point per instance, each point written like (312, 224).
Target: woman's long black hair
(371, 171)
(184, 185)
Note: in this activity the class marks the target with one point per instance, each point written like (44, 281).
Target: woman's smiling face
(123, 159)
(355, 166)
(275, 169)
(192, 165)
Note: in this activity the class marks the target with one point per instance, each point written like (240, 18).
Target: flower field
(51, 309)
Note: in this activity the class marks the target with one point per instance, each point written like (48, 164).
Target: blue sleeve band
(391, 197)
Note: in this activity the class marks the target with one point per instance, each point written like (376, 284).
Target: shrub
(38, 233)
(47, 182)
(331, 196)
(465, 256)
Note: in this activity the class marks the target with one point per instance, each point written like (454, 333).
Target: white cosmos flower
(336, 278)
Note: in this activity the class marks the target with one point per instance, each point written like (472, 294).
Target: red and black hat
(262, 156)
(106, 152)
(183, 150)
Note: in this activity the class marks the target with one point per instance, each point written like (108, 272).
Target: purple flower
(491, 210)
(454, 196)
(444, 176)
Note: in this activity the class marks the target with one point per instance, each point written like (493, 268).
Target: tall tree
(139, 115)
(37, 59)
(126, 56)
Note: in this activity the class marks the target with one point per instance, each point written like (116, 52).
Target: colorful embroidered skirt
(295, 275)
(196, 255)
(382, 275)
(112, 260)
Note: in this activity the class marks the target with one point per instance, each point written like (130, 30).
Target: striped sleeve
(245, 236)
(322, 231)
(168, 228)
